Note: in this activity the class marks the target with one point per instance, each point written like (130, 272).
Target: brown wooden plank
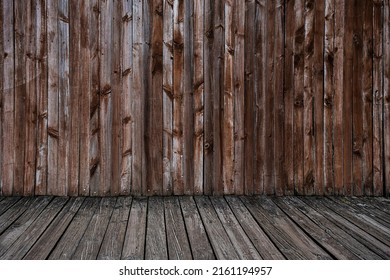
(68, 242)
(177, 239)
(227, 100)
(198, 86)
(197, 236)
(338, 127)
(41, 67)
(126, 96)
(134, 244)
(220, 242)
(283, 231)
(112, 244)
(350, 243)
(31, 234)
(377, 87)
(49, 238)
(241, 242)
(318, 100)
(386, 96)
(362, 236)
(329, 95)
(249, 121)
(260, 240)
(7, 202)
(89, 245)
(156, 239)
(13, 213)
(19, 226)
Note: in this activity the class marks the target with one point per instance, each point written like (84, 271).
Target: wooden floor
(194, 228)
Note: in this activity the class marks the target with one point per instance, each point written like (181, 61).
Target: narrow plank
(292, 241)
(380, 203)
(249, 121)
(320, 167)
(31, 234)
(177, 239)
(66, 246)
(228, 105)
(377, 87)
(298, 135)
(30, 103)
(188, 99)
(330, 243)
(289, 88)
(239, 96)
(19, 226)
(1, 92)
(7, 202)
(178, 60)
(137, 102)
(13, 213)
(280, 177)
(386, 96)
(259, 238)
(49, 238)
(241, 242)
(106, 96)
(112, 244)
(134, 244)
(348, 240)
(197, 236)
(198, 80)
(64, 93)
(208, 96)
(85, 87)
(362, 236)
(126, 96)
(89, 245)
(94, 123)
(220, 242)
(154, 102)
(41, 69)
(156, 239)
(329, 96)
(338, 128)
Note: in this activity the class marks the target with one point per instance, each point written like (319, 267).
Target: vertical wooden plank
(367, 97)
(137, 103)
(74, 91)
(208, 96)
(298, 145)
(377, 73)
(94, 139)
(228, 106)
(198, 80)
(20, 13)
(167, 96)
(63, 99)
(178, 60)
(338, 128)
(126, 95)
(319, 98)
(348, 98)
(289, 97)
(53, 96)
(106, 96)
(249, 98)
(154, 117)
(357, 100)
(85, 99)
(1, 93)
(308, 122)
(280, 177)
(386, 95)
(329, 104)
(30, 101)
(116, 85)
(239, 95)
(41, 68)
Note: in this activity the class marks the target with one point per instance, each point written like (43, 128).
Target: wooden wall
(148, 97)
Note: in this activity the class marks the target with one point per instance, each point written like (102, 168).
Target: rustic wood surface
(200, 227)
